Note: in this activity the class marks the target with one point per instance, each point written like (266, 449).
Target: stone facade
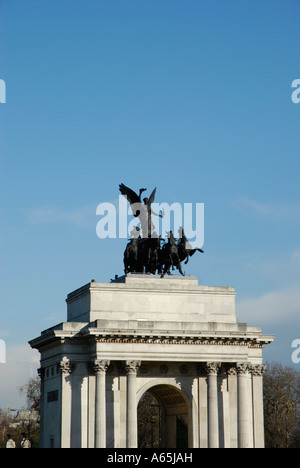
(169, 336)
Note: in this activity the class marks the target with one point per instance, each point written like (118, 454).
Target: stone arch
(165, 381)
(175, 411)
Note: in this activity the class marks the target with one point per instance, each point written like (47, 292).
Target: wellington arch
(171, 337)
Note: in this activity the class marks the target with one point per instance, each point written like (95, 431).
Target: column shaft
(258, 406)
(100, 368)
(245, 407)
(66, 368)
(131, 369)
(213, 413)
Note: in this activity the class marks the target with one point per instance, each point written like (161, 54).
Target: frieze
(164, 369)
(144, 369)
(184, 368)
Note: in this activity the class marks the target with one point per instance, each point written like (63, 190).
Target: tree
(32, 390)
(5, 421)
(281, 406)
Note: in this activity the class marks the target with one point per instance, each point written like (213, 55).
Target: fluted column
(100, 368)
(245, 406)
(213, 413)
(257, 372)
(131, 368)
(66, 367)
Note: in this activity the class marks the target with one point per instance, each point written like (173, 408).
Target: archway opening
(163, 418)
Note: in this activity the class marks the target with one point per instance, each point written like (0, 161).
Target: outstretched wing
(130, 196)
(152, 196)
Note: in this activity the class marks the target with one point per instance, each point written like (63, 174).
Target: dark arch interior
(163, 418)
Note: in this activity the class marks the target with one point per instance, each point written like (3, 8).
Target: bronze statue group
(146, 252)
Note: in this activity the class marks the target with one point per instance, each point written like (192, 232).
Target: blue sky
(191, 97)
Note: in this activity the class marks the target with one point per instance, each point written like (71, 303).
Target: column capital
(212, 368)
(65, 366)
(258, 369)
(243, 368)
(99, 365)
(131, 367)
(231, 369)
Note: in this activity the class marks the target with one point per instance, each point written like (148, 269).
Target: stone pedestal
(168, 336)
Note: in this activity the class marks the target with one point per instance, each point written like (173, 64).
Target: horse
(141, 255)
(185, 249)
(131, 255)
(168, 256)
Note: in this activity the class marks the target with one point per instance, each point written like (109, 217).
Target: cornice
(173, 339)
(94, 335)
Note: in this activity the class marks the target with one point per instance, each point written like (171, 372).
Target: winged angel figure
(141, 210)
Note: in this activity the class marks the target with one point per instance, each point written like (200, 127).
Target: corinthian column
(213, 415)
(100, 368)
(131, 368)
(65, 367)
(245, 406)
(258, 405)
